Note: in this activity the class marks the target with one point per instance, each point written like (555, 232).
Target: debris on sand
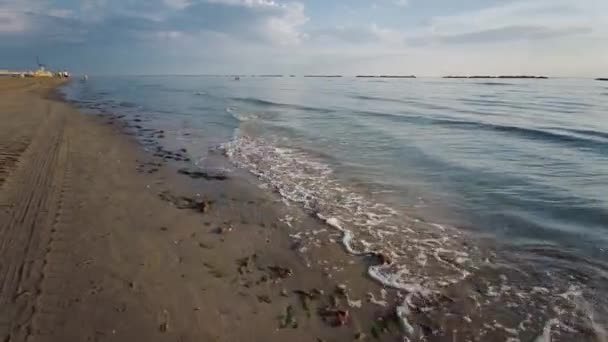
(205, 245)
(380, 302)
(202, 206)
(383, 258)
(342, 291)
(278, 272)
(245, 264)
(264, 299)
(223, 230)
(288, 319)
(313, 294)
(183, 202)
(164, 325)
(305, 298)
(197, 174)
(335, 317)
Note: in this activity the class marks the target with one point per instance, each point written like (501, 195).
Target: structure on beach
(41, 71)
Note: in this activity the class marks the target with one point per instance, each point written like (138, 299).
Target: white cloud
(13, 17)
(247, 3)
(283, 29)
(402, 3)
(177, 4)
(552, 14)
(12, 22)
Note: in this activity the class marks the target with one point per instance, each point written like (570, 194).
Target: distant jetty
(601, 79)
(270, 76)
(386, 76)
(501, 77)
(324, 76)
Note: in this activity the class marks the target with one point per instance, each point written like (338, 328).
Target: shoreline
(131, 254)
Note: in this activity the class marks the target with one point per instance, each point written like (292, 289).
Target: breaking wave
(440, 269)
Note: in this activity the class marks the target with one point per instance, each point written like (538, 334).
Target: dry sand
(96, 244)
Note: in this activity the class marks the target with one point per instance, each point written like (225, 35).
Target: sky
(421, 37)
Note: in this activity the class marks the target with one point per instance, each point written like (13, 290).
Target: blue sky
(423, 37)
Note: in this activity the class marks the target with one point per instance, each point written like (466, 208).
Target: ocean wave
(265, 103)
(495, 83)
(245, 115)
(380, 98)
(303, 179)
(530, 133)
(551, 106)
(426, 261)
(588, 132)
(583, 138)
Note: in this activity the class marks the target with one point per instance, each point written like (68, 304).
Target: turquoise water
(521, 166)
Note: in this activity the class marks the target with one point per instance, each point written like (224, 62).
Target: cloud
(13, 16)
(510, 33)
(552, 15)
(11, 22)
(247, 3)
(265, 21)
(178, 4)
(371, 34)
(539, 20)
(259, 20)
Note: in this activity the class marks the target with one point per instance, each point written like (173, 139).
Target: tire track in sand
(53, 296)
(34, 195)
(10, 155)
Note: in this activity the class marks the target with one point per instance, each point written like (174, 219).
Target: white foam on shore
(425, 258)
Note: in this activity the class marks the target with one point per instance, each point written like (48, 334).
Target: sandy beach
(101, 241)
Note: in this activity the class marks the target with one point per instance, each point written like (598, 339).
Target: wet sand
(101, 240)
